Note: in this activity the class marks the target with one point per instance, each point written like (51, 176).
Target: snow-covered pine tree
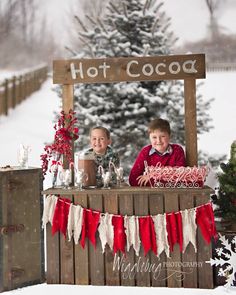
(226, 195)
(131, 28)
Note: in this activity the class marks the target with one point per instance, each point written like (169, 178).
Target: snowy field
(30, 123)
(222, 87)
(105, 290)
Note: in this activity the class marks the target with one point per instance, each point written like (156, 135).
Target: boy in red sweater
(160, 150)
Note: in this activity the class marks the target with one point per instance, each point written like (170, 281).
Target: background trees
(131, 28)
(24, 35)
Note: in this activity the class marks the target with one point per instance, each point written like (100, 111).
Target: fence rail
(221, 67)
(16, 89)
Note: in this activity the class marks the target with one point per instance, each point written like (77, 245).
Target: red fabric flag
(147, 234)
(89, 226)
(119, 233)
(60, 217)
(174, 230)
(205, 220)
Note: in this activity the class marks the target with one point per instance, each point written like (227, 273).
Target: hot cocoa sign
(106, 70)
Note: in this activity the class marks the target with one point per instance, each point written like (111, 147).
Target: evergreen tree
(132, 28)
(226, 197)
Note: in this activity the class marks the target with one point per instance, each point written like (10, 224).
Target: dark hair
(160, 124)
(107, 132)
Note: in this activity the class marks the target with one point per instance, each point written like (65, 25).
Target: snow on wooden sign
(148, 68)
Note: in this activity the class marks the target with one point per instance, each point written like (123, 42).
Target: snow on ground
(222, 87)
(107, 290)
(30, 123)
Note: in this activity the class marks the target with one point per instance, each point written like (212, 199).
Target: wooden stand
(21, 236)
(68, 263)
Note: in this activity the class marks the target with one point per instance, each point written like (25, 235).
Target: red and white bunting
(161, 234)
(189, 228)
(75, 222)
(157, 233)
(49, 207)
(132, 233)
(106, 231)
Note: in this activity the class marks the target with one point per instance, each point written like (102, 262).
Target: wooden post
(5, 105)
(190, 121)
(67, 105)
(13, 92)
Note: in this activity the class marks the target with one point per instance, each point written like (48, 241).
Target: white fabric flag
(132, 233)
(75, 222)
(189, 228)
(161, 234)
(106, 231)
(48, 209)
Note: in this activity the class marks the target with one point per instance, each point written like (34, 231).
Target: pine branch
(70, 50)
(154, 26)
(83, 35)
(150, 4)
(90, 19)
(146, 50)
(114, 8)
(125, 9)
(164, 29)
(145, 7)
(158, 7)
(101, 25)
(81, 24)
(88, 45)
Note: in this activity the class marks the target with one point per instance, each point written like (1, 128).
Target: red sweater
(175, 158)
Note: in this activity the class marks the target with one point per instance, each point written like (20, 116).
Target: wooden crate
(21, 235)
(68, 263)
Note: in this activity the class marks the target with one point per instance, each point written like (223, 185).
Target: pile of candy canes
(167, 176)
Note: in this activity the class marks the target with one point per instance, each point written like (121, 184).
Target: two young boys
(160, 150)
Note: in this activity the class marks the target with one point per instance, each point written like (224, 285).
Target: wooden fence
(221, 67)
(14, 90)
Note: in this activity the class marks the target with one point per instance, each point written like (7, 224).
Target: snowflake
(226, 259)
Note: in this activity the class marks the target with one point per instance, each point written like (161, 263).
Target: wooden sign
(148, 68)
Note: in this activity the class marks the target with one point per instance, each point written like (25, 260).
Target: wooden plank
(67, 258)
(81, 255)
(189, 257)
(141, 209)
(96, 258)
(173, 263)
(132, 190)
(1, 101)
(53, 256)
(67, 98)
(4, 251)
(112, 276)
(205, 270)
(147, 68)
(190, 121)
(126, 207)
(158, 277)
(67, 105)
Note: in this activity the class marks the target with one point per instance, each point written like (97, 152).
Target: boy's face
(159, 140)
(99, 141)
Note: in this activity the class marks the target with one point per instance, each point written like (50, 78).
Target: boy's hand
(143, 180)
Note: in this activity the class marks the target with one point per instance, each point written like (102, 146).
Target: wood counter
(68, 263)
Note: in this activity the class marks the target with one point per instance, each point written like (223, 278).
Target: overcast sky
(189, 17)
